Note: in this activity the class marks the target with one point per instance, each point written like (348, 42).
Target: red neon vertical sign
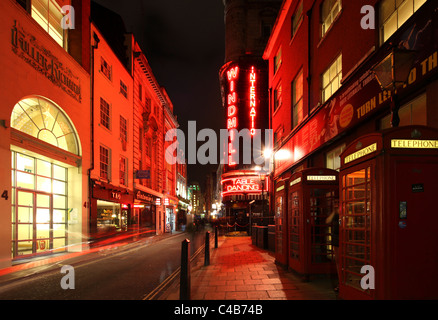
(231, 112)
(252, 100)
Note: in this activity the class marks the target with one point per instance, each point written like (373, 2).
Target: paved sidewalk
(239, 270)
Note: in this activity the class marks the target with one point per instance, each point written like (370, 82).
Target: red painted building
(331, 83)
(82, 131)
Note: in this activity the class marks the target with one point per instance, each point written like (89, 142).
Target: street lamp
(392, 73)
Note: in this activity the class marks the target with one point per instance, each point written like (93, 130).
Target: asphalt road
(128, 273)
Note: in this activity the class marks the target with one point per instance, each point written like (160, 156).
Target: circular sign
(346, 115)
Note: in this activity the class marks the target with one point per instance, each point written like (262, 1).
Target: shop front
(111, 210)
(144, 213)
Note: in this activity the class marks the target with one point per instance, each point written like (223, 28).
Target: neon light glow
(245, 184)
(231, 112)
(252, 100)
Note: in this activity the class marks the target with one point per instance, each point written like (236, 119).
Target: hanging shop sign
(26, 46)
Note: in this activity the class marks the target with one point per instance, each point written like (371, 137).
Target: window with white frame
(105, 68)
(331, 79)
(123, 171)
(47, 13)
(123, 129)
(329, 12)
(297, 18)
(123, 89)
(333, 160)
(277, 97)
(105, 118)
(105, 163)
(297, 99)
(277, 61)
(393, 13)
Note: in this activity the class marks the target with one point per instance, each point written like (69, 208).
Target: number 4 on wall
(5, 195)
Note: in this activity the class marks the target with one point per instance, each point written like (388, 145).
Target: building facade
(83, 123)
(45, 139)
(111, 182)
(331, 83)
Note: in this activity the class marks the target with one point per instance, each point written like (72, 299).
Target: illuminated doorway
(45, 179)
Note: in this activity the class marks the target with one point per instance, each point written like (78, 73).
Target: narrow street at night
(125, 271)
(218, 158)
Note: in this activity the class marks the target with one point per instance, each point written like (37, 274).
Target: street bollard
(184, 284)
(215, 236)
(207, 249)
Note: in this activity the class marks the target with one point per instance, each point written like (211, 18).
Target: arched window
(45, 121)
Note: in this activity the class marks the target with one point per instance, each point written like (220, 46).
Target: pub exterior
(328, 91)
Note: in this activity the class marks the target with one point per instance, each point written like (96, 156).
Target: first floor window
(105, 155)
(48, 15)
(277, 97)
(297, 99)
(123, 171)
(331, 79)
(104, 113)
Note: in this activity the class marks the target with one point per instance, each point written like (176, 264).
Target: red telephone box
(281, 241)
(388, 231)
(311, 197)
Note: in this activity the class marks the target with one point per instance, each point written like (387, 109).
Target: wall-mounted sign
(143, 174)
(321, 178)
(414, 144)
(361, 153)
(243, 184)
(141, 195)
(41, 59)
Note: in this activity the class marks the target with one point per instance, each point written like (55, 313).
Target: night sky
(184, 42)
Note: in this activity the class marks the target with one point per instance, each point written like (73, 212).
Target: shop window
(47, 13)
(105, 164)
(123, 171)
(329, 12)
(297, 100)
(333, 160)
(277, 97)
(123, 89)
(105, 68)
(412, 113)
(104, 113)
(277, 61)
(45, 121)
(297, 18)
(331, 79)
(394, 13)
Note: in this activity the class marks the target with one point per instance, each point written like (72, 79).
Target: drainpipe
(309, 56)
(90, 184)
